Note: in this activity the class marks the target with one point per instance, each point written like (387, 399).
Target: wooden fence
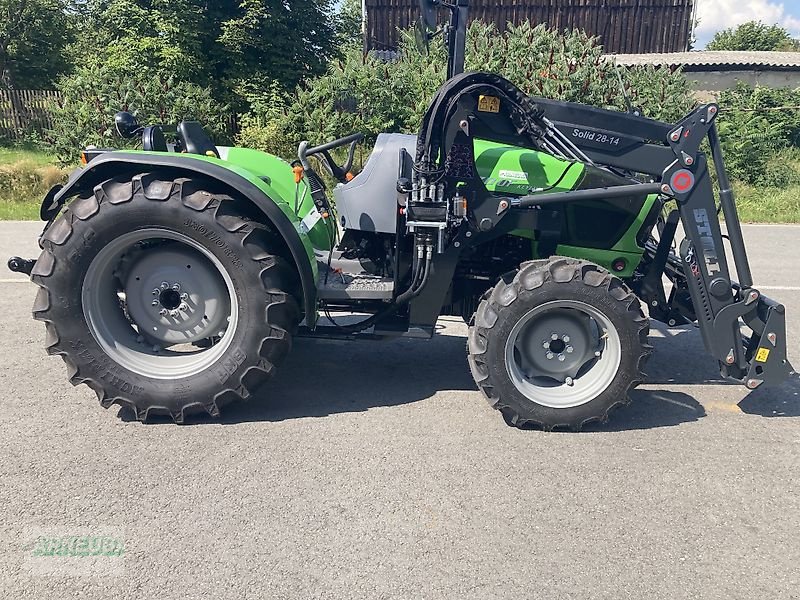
(25, 111)
(623, 26)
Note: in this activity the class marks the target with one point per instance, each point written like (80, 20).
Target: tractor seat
(153, 139)
(195, 139)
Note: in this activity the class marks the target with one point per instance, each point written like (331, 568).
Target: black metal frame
(669, 154)
(457, 36)
(718, 301)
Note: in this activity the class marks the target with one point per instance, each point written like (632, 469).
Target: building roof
(714, 60)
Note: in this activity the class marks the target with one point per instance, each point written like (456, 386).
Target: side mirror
(126, 125)
(429, 13)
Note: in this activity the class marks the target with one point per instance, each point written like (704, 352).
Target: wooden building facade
(623, 26)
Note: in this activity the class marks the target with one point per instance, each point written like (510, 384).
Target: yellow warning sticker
(489, 104)
(762, 355)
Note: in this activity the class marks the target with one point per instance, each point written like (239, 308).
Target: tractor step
(346, 286)
(346, 280)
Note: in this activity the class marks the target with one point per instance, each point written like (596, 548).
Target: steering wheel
(340, 172)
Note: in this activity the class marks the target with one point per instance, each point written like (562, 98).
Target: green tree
(272, 40)
(142, 35)
(173, 59)
(363, 93)
(348, 23)
(34, 35)
(236, 47)
(754, 35)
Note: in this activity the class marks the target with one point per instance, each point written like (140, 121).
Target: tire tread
(531, 276)
(282, 310)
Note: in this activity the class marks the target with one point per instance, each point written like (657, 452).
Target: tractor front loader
(172, 280)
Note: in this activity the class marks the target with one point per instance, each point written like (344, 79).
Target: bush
(778, 106)
(263, 127)
(570, 66)
(748, 142)
(782, 169)
(94, 92)
(363, 93)
(753, 36)
(755, 124)
(26, 175)
(26, 180)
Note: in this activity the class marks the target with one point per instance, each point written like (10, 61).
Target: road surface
(362, 478)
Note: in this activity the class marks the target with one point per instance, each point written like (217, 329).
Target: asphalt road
(378, 471)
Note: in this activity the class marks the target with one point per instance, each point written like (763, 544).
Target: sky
(715, 15)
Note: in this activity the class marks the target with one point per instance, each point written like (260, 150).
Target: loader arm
(484, 106)
(681, 172)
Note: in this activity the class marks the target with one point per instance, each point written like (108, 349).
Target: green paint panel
(280, 177)
(626, 248)
(628, 242)
(519, 171)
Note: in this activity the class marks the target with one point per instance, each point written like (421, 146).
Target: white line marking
(15, 280)
(677, 403)
(787, 225)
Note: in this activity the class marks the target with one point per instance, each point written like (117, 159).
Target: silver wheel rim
(563, 354)
(151, 295)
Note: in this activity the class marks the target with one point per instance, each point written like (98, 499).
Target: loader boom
(670, 157)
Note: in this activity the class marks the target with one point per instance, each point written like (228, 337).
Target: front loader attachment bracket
(767, 348)
(721, 304)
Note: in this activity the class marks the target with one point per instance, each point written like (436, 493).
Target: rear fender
(243, 184)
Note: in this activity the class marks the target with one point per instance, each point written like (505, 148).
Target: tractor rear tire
(132, 320)
(520, 354)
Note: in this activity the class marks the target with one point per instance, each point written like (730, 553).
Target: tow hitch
(21, 265)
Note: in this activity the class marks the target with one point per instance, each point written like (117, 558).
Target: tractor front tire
(161, 296)
(558, 343)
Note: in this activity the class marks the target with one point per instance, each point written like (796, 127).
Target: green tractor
(172, 280)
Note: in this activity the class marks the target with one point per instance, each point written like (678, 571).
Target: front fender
(260, 193)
